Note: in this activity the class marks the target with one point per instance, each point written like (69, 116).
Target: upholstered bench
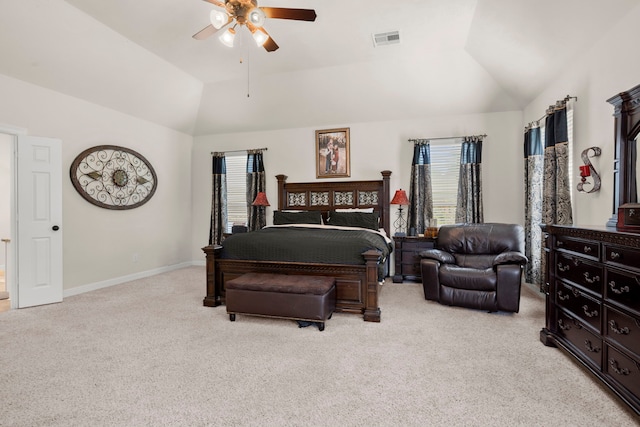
(287, 296)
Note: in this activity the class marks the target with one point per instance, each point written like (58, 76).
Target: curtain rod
(238, 151)
(566, 98)
(484, 135)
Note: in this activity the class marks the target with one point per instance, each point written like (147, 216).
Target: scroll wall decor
(113, 177)
(587, 170)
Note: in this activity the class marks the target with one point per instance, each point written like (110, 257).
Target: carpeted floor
(147, 353)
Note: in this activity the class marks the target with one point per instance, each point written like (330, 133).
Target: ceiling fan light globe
(218, 18)
(227, 37)
(260, 37)
(257, 17)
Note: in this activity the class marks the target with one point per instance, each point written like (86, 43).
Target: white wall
(98, 243)
(610, 67)
(375, 146)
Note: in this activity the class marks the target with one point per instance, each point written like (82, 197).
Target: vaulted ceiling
(454, 57)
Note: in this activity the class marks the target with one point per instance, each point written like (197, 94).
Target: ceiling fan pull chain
(248, 72)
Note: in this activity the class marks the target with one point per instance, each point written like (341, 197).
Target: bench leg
(232, 317)
(321, 326)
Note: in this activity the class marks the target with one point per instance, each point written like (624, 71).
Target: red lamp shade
(261, 200)
(400, 198)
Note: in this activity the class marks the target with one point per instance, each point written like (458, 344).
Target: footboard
(357, 286)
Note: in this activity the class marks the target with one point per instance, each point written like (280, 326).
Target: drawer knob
(563, 326)
(589, 279)
(615, 255)
(592, 313)
(587, 249)
(562, 296)
(616, 368)
(562, 267)
(617, 330)
(590, 348)
(622, 290)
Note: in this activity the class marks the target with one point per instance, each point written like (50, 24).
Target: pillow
(368, 210)
(304, 217)
(355, 219)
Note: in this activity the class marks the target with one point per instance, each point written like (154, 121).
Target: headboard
(330, 195)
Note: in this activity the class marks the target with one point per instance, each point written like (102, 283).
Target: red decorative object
(400, 198)
(585, 170)
(261, 200)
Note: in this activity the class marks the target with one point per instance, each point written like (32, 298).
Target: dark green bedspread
(301, 244)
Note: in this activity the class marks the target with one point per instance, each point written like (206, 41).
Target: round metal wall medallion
(113, 177)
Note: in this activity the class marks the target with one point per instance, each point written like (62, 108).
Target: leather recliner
(475, 266)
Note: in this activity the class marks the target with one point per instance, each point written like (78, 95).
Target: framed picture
(332, 153)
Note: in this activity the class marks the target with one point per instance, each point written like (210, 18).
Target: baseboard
(123, 279)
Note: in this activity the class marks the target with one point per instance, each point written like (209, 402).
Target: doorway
(6, 184)
(31, 192)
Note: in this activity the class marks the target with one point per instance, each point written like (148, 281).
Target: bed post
(214, 287)
(371, 309)
(282, 179)
(385, 202)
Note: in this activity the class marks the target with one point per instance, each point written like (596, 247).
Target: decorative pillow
(355, 219)
(304, 217)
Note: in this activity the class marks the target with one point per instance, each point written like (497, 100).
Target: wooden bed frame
(357, 285)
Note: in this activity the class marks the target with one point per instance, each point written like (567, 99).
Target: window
(445, 171)
(236, 189)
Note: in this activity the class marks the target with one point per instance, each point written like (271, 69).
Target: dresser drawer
(585, 273)
(411, 269)
(623, 369)
(579, 246)
(417, 246)
(623, 288)
(586, 308)
(580, 338)
(626, 257)
(410, 257)
(623, 329)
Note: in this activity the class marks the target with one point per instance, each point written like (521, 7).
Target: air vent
(381, 39)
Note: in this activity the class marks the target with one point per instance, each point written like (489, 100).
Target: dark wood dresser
(593, 303)
(407, 258)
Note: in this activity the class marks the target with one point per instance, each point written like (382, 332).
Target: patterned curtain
(420, 195)
(218, 199)
(256, 182)
(469, 207)
(533, 168)
(556, 198)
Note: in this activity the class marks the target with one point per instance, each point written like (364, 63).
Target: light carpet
(147, 353)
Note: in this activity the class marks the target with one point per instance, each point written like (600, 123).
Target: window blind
(236, 189)
(445, 171)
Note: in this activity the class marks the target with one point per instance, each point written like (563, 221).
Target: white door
(39, 228)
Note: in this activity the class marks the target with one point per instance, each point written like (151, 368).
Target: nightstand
(407, 258)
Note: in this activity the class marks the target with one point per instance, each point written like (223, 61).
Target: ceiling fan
(247, 13)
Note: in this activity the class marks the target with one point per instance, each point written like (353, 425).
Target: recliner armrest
(438, 255)
(510, 257)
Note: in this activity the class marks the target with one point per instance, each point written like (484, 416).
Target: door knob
(55, 228)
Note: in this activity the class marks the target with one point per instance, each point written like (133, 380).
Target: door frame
(12, 284)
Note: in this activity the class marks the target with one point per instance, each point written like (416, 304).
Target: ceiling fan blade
(216, 2)
(207, 31)
(285, 13)
(270, 45)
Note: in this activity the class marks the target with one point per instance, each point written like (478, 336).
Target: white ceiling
(455, 57)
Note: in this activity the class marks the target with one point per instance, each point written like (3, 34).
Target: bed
(357, 281)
